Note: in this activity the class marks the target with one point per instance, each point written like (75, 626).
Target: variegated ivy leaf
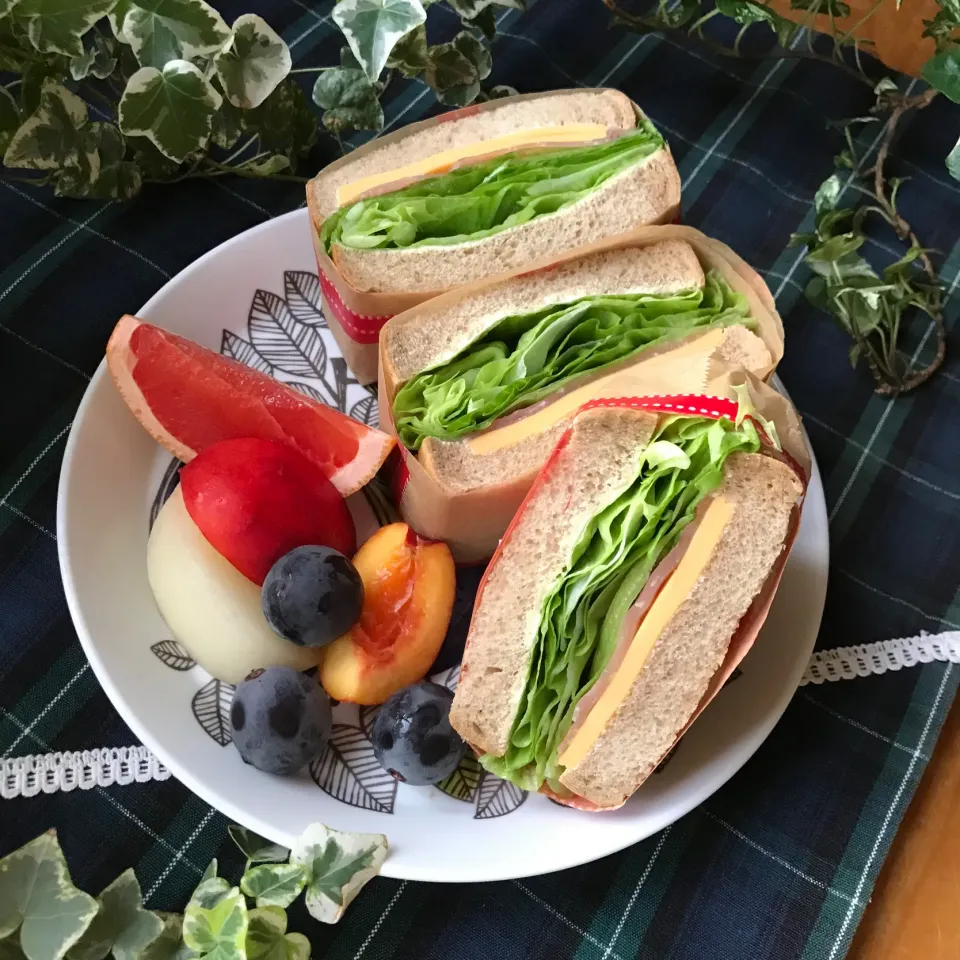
(953, 161)
(268, 166)
(338, 865)
(284, 122)
(52, 136)
(469, 9)
(274, 884)
(455, 69)
(173, 109)
(159, 31)
(373, 27)
(9, 118)
(409, 55)
(116, 179)
(56, 26)
(6, 6)
(253, 62)
(267, 937)
(215, 921)
(349, 100)
(97, 60)
(255, 848)
(169, 945)
(38, 898)
(122, 926)
(10, 949)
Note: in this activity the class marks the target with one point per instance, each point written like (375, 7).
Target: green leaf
(10, 949)
(37, 897)
(953, 161)
(836, 8)
(470, 9)
(253, 62)
(267, 938)
(349, 100)
(215, 921)
(51, 137)
(455, 69)
(173, 109)
(159, 31)
(169, 944)
(835, 248)
(255, 848)
(151, 162)
(942, 72)
(97, 60)
(9, 118)
(15, 50)
(56, 26)
(855, 350)
(409, 55)
(885, 85)
(284, 122)
(746, 11)
(373, 27)
(229, 122)
(671, 15)
(825, 199)
(338, 864)
(274, 884)
(121, 927)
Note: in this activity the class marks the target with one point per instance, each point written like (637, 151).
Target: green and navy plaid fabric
(781, 861)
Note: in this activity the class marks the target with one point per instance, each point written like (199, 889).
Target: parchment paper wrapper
(355, 317)
(473, 521)
(772, 406)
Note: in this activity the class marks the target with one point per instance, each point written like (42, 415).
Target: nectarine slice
(409, 587)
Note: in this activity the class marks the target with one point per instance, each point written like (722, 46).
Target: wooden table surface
(915, 910)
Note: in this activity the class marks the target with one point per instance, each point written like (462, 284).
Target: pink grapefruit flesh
(188, 397)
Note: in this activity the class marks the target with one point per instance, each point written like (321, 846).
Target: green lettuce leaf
(482, 199)
(523, 359)
(582, 615)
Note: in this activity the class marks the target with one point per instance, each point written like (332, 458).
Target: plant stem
(310, 70)
(905, 232)
(236, 153)
(222, 168)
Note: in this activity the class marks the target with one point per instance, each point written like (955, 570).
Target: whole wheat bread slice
(691, 648)
(597, 464)
(422, 140)
(457, 468)
(647, 192)
(435, 333)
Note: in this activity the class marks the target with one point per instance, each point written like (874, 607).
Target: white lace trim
(28, 776)
(845, 663)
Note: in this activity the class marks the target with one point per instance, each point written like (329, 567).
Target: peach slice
(409, 586)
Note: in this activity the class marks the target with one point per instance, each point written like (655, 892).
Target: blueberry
(412, 737)
(312, 595)
(281, 720)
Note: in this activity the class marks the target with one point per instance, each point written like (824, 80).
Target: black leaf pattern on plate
(211, 707)
(367, 716)
(365, 411)
(168, 483)
(173, 655)
(497, 798)
(448, 678)
(463, 783)
(302, 291)
(281, 339)
(341, 380)
(349, 772)
(236, 348)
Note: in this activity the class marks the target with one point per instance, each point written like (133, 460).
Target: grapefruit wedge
(187, 398)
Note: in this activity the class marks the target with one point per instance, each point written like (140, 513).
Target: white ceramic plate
(256, 297)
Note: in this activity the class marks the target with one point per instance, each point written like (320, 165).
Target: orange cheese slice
(671, 597)
(681, 370)
(443, 161)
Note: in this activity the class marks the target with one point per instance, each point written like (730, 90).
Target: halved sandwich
(633, 579)
(477, 192)
(479, 384)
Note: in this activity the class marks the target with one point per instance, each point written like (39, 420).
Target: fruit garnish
(208, 605)
(255, 500)
(312, 595)
(408, 597)
(281, 720)
(187, 398)
(412, 737)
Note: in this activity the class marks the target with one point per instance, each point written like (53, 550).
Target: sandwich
(479, 384)
(478, 192)
(632, 580)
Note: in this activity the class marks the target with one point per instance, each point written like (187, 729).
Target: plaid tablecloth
(779, 863)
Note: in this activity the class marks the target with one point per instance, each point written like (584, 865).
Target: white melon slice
(209, 606)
